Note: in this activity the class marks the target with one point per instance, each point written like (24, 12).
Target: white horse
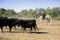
(48, 18)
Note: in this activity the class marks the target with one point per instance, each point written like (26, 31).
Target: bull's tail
(37, 28)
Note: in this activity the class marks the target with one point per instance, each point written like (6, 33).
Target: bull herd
(12, 22)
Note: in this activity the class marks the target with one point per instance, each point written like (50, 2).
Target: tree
(10, 13)
(23, 13)
(2, 10)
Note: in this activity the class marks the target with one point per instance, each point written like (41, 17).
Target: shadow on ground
(16, 31)
(26, 32)
(40, 32)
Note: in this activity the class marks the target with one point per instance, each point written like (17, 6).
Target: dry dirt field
(46, 32)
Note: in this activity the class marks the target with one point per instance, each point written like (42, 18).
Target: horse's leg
(40, 18)
(40, 21)
(51, 20)
(48, 21)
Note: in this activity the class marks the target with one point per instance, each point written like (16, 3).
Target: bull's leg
(2, 29)
(21, 29)
(10, 28)
(25, 29)
(30, 29)
(35, 29)
(18, 25)
(15, 27)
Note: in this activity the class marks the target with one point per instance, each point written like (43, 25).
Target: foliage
(7, 13)
(31, 13)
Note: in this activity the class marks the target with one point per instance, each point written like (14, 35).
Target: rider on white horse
(48, 18)
(44, 16)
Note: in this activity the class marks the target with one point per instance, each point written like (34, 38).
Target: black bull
(4, 21)
(28, 24)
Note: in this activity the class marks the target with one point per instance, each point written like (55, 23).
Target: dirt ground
(46, 32)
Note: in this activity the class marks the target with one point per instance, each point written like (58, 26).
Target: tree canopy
(31, 13)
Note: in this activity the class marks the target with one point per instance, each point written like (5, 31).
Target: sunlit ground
(46, 32)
